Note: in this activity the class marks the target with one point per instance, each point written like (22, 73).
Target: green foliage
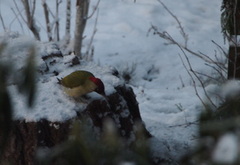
(88, 146)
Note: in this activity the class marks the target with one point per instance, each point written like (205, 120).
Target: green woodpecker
(81, 82)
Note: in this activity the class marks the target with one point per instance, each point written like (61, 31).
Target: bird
(81, 82)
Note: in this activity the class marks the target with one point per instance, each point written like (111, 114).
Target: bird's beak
(103, 93)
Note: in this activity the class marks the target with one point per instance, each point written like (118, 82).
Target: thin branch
(2, 21)
(19, 12)
(57, 20)
(33, 8)
(92, 37)
(198, 78)
(46, 14)
(68, 18)
(215, 64)
(224, 52)
(211, 61)
(185, 36)
(194, 82)
(165, 35)
(30, 19)
(205, 75)
(94, 10)
(16, 17)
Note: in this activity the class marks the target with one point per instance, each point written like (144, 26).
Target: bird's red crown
(100, 86)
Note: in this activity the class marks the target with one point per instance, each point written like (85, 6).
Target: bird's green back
(76, 79)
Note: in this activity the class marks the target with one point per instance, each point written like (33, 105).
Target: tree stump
(26, 137)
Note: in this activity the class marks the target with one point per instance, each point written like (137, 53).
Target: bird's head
(100, 86)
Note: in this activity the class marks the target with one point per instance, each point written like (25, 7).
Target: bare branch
(30, 18)
(194, 75)
(94, 9)
(19, 12)
(46, 14)
(33, 8)
(89, 57)
(185, 36)
(2, 21)
(194, 82)
(57, 37)
(16, 17)
(165, 35)
(68, 18)
(198, 78)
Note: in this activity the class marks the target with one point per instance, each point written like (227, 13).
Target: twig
(33, 8)
(46, 14)
(19, 12)
(16, 17)
(216, 65)
(2, 21)
(68, 20)
(185, 124)
(205, 75)
(194, 82)
(30, 19)
(185, 36)
(225, 53)
(211, 61)
(57, 35)
(94, 9)
(165, 35)
(91, 39)
(198, 78)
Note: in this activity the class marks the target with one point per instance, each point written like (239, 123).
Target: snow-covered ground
(167, 100)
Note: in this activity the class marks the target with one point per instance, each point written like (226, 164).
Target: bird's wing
(76, 79)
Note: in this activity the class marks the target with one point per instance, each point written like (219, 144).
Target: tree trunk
(30, 18)
(68, 22)
(80, 23)
(232, 8)
(234, 62)
(46, 14)
(57, 37)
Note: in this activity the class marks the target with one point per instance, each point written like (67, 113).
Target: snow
(230, 89)
(51, 102)
(167, 100)
(226, 150)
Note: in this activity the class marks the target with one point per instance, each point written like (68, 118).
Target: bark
(80, 23)
(68, 18)
(234, 49)
(57, 37)
(234, 62)
(30, 18)
(46, 14)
